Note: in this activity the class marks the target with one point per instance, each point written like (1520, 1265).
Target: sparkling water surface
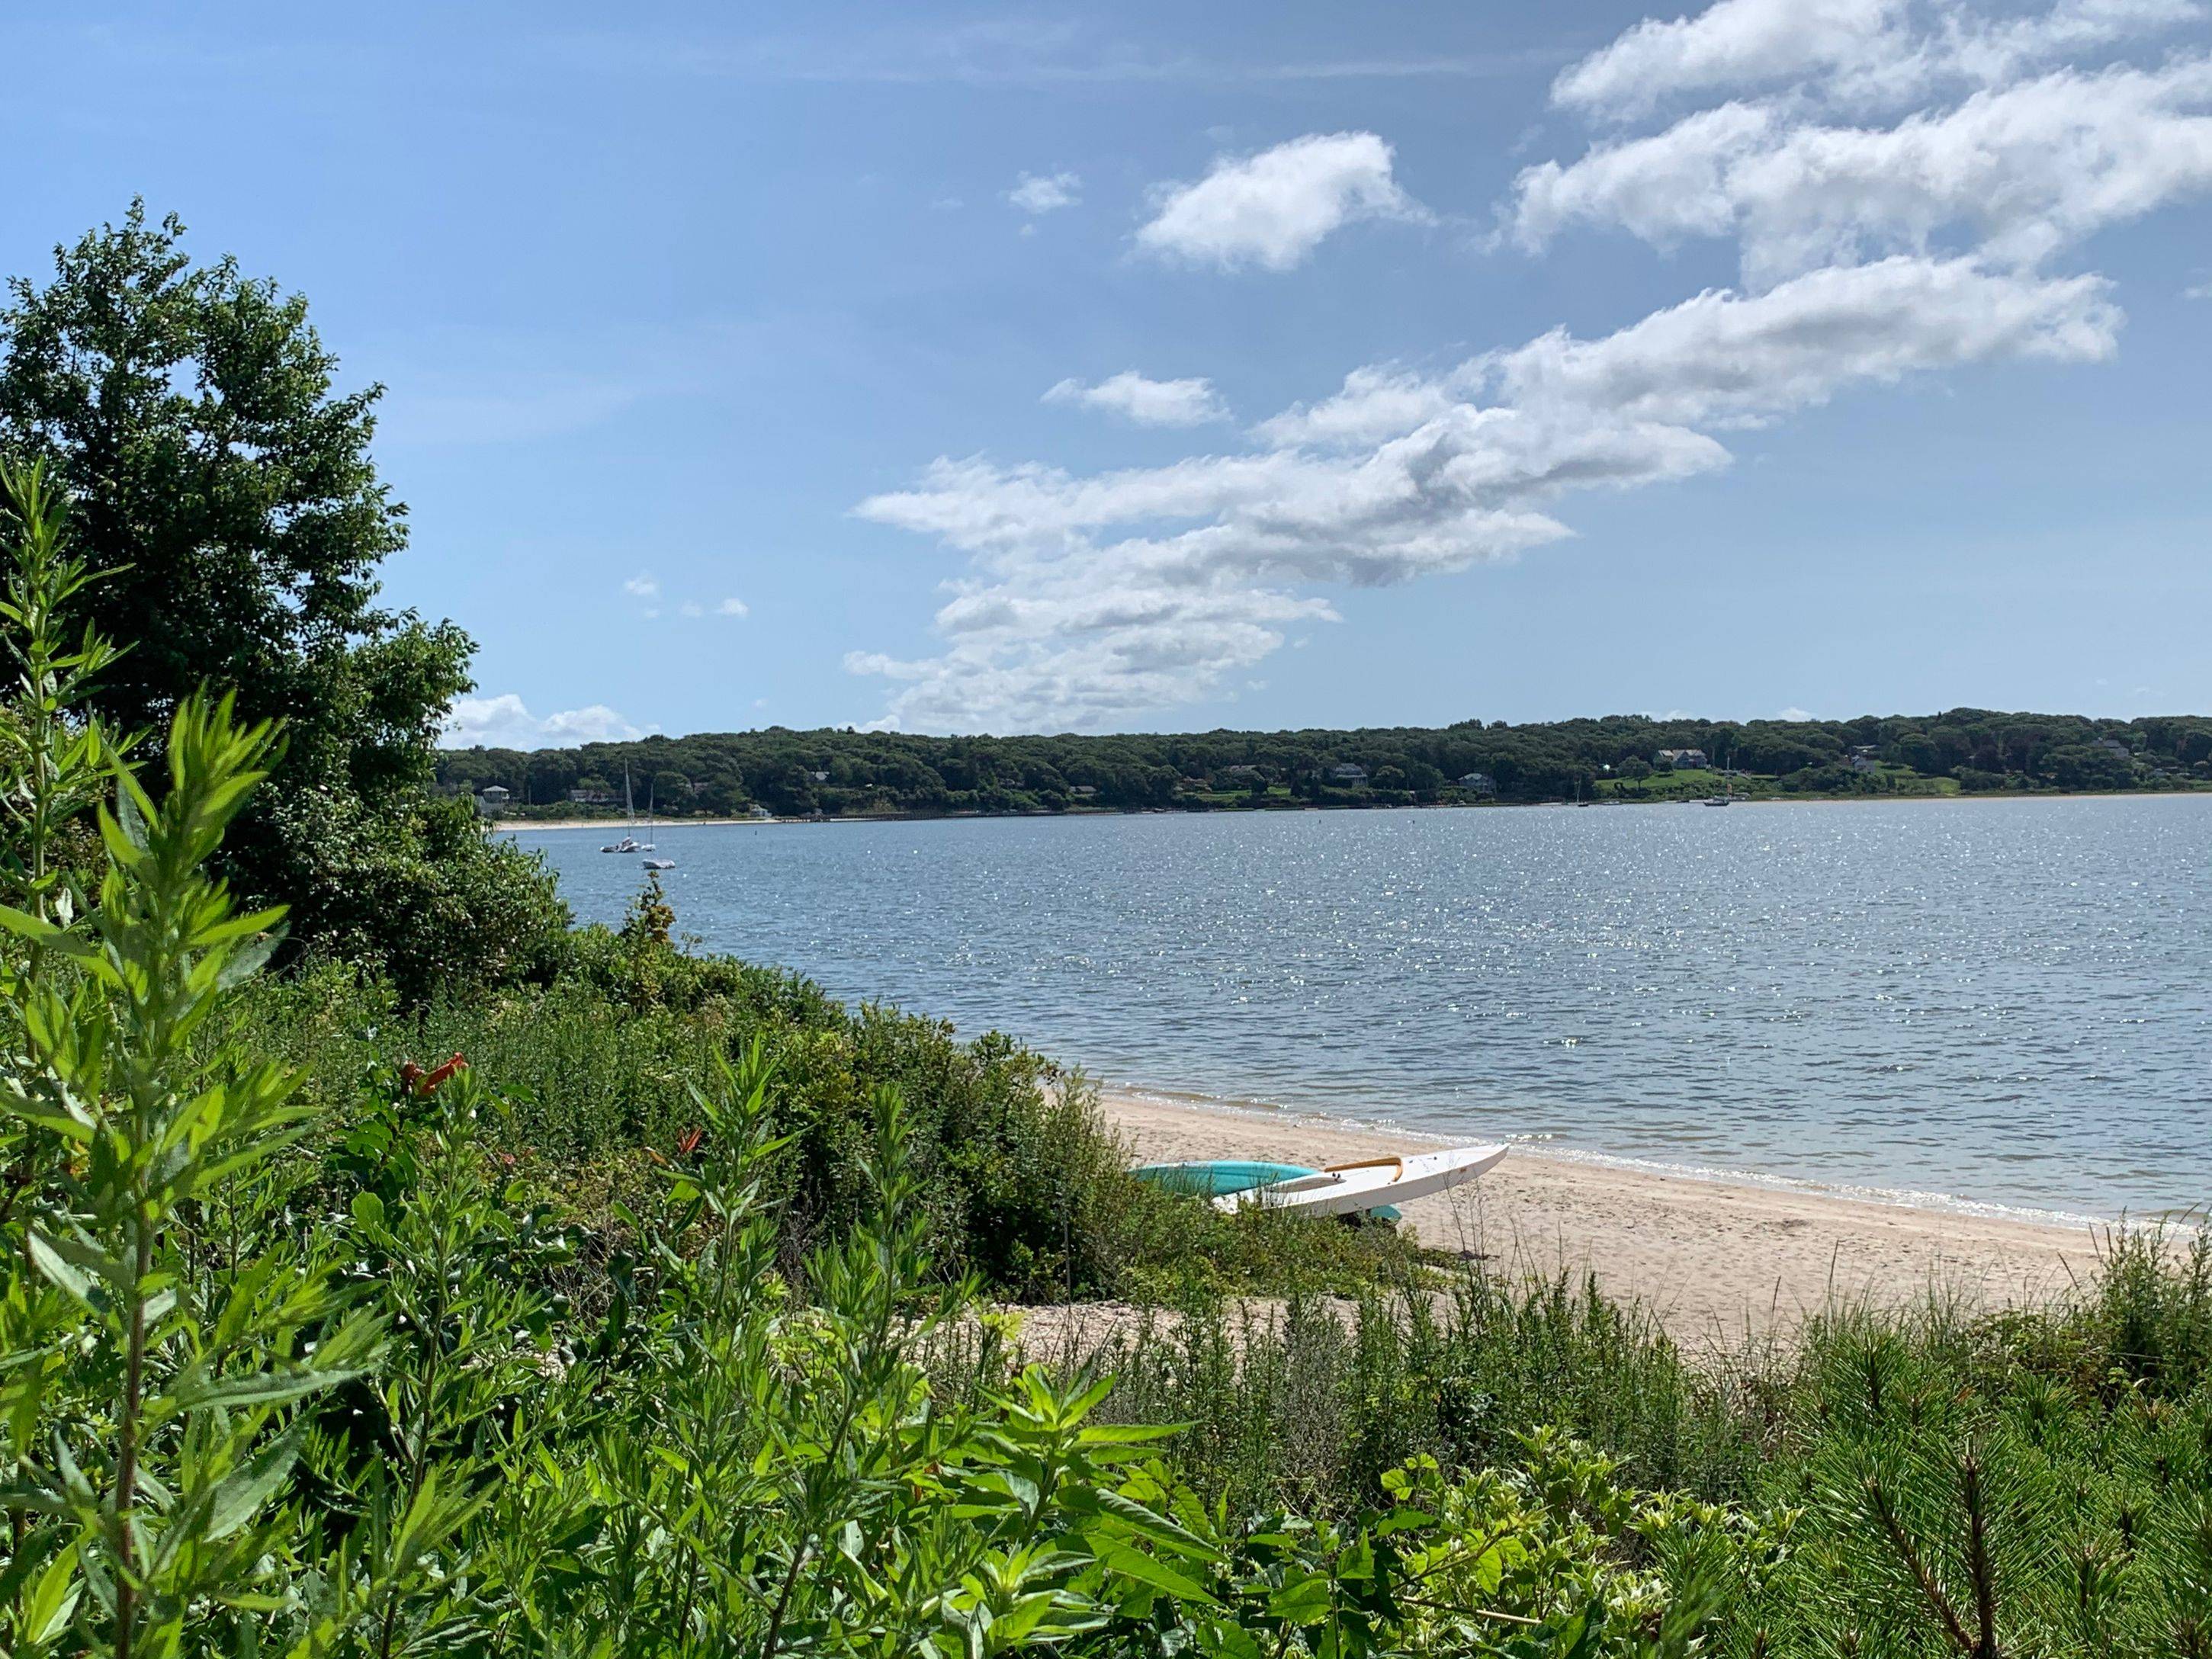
(2004, 1003)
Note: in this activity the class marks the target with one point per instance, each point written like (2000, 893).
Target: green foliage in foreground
(303, 1351)
(278, 1384)
(1919, 1482)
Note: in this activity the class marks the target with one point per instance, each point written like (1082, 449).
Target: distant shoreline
(508, 826)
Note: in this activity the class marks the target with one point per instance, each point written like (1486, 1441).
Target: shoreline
(514, 826)
(1714, 1259)
(1265, 1112)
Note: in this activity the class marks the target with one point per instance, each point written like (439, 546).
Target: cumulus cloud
(642, 587)
(1034, 193)
(1855, 54)
(1732, 359)
(734, 607)
(1735, 43)
(1900, 178)
(504, 723)
(1273, 209)
(1148, 402)
(1373, 405)
(1094, 596)
(2017, 173)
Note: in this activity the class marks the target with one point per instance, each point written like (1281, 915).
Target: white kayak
(1372, 1183)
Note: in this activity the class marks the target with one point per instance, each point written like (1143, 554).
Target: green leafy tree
(192, 412)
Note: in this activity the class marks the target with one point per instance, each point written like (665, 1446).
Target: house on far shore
(1083, 791)
(1348, 774)
(492, 800)
(819, 777)
(2114, 746)
(1679, 758)
(1477, 783)
(592, 797)
(760, 812)
(1867, 758)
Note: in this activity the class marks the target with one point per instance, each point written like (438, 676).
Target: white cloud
(1092, 597)
(1373, 405)
(1036, 194)
(504, 722)
(1918, 236)
(1795, 715)
(1148, 402)
(1732, 359)
(642, 587)
(2017, 173)
(1273, 209)
(1735, 43)
(730, 607)
(1662, 188)
(1844, 54)
(1990, 52)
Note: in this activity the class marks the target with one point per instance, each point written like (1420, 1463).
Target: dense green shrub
(1317, 1397)
(1902, 1482)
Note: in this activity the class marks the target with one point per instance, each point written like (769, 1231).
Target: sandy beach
(1715, 1259)
(516, 826)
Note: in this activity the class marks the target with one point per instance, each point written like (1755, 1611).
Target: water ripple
(2004, 1003)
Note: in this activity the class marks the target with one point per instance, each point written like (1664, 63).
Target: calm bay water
(2004, 1003)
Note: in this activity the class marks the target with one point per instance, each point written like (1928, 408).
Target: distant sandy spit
(1718, 1261)
(617, 827)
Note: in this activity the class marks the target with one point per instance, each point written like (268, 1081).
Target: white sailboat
(629, 843)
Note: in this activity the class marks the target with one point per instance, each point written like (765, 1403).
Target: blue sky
(973, 369)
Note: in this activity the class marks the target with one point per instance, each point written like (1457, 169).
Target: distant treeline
(849, 772)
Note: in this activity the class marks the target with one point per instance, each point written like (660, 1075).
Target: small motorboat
(627, 844)
(659, 864)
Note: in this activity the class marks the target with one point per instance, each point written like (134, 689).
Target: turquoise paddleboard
(1216, 1176)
